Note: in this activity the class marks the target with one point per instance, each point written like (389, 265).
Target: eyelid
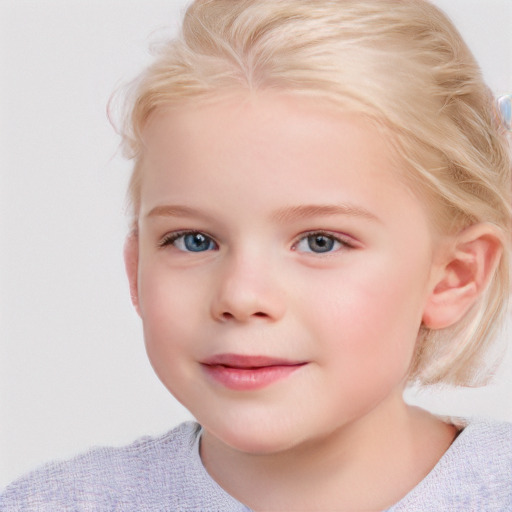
(346, 241)
(169, 238)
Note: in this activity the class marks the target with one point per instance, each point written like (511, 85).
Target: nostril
(230, 316)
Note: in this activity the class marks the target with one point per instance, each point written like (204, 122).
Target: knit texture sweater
(164, 474)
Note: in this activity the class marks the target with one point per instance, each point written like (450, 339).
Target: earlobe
(131, 263)
(467, 270)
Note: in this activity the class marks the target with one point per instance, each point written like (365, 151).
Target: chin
(248, 435)
(257, 445)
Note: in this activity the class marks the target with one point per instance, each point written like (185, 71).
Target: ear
(131, 263)
(466, 271)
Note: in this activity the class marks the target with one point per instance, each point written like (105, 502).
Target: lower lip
(249, 379)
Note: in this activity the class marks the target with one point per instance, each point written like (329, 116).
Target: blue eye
(190, 242)
(319, 243)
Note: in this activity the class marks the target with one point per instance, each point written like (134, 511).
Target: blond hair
(402, 64)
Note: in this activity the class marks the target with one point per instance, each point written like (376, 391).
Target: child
(321, 216)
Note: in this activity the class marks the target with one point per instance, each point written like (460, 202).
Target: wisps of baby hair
(402, 65)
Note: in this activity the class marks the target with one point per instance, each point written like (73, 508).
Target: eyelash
(344, 242)
(171, 238)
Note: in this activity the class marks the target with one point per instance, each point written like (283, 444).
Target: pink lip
(245, 373)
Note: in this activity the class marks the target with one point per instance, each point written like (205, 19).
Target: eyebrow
(174, 211)
(292, 213)
(286, 214)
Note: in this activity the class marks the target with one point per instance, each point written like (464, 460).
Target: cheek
(167, 315)
(368, 352)
(369, 318)
(169, 297)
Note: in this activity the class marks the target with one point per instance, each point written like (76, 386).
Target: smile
(247, 373)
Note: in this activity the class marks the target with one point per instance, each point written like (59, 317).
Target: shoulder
(483, 453)
(153, 473)
(487, 441)
(474, 474)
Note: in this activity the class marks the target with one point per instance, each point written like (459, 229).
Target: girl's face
(283, 267)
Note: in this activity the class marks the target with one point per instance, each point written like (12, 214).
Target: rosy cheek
(157, 289)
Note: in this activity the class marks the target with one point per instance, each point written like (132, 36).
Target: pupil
(320, 243)
(196, 242)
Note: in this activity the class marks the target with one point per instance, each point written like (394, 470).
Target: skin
(256, 175)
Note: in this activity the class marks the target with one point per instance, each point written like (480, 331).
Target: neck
(368, 464)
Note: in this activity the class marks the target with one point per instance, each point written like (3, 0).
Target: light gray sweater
(165, 474)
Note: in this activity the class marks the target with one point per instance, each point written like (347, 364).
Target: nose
(247, 289)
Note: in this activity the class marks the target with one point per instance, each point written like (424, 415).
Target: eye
(189, 241)
(320, 243)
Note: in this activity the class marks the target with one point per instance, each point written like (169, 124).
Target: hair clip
(504, 107)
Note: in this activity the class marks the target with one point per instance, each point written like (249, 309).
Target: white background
(73, 371)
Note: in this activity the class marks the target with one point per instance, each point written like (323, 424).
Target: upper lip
(247, 362)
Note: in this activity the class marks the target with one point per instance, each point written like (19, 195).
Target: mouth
(246, 373)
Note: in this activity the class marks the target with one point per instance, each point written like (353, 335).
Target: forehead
(273, 145)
